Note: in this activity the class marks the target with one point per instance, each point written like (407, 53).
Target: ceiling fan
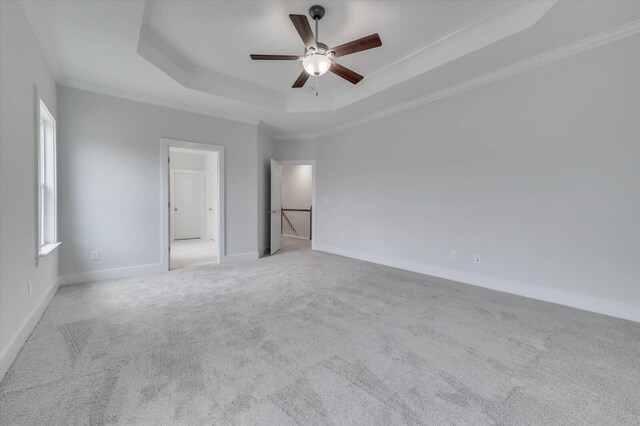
(318, 58)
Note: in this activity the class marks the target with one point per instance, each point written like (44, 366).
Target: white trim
(547, 294)
(52, 240)
(314, 204)
(542, 59)
(240, 257)
(48, 248)
(110, 274)
(19, 339)
(165, 144)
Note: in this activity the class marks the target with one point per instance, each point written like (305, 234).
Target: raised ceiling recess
(200, 56)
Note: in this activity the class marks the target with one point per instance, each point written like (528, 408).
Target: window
(47, 232)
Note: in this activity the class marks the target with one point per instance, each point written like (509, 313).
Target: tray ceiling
(194, 55)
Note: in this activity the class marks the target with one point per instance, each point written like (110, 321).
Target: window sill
(48, 248)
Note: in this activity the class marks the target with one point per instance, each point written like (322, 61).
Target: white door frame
(314, 210)
(165, 144)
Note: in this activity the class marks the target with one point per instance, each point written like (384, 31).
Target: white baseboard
(240, 257)
(18, 340)
(110, 274)
(561, 297)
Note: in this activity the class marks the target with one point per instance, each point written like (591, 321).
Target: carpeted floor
(310, 338)
(186, 253)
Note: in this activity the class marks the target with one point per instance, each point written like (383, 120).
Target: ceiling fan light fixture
(319, 58)
(316, 64)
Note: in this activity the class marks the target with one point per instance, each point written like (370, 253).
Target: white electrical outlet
(95, 255)
(29, 287)
(454, 255)
(477, 258)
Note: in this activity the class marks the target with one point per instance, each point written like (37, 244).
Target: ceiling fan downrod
(316, 12)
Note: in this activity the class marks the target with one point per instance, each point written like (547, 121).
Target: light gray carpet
(310, 338)
(193, 252)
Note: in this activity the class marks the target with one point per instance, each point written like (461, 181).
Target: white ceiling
(194, 55)
(219, 36)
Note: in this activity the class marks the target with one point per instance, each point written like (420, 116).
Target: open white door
(276, 205)
(212, 196)
(187, 210)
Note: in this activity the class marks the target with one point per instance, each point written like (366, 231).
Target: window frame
(46, 182)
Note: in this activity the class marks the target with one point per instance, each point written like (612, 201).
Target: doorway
(193, 204)
(293, 218)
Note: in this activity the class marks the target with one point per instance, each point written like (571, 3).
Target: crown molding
(542, 59)
(152, 100)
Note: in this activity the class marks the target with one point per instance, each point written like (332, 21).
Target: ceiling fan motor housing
(316, 12)
(322, 49)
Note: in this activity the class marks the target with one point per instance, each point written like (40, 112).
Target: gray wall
(539, 173)
(22, 69)
(296, 150)
(266, 151)
(109, 178)
(188, 161)
(297, 181)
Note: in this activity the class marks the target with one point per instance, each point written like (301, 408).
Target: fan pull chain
(316, 85)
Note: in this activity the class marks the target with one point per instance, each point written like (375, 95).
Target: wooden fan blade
(301, 80)
(346, 73)
(257, 57)
(304, 30)
(364, 43)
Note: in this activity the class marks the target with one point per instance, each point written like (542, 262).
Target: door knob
(175, 210)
